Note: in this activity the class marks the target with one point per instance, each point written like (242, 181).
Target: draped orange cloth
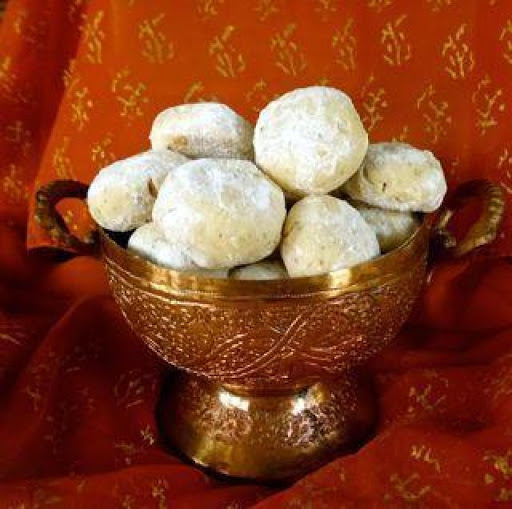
(80, 81)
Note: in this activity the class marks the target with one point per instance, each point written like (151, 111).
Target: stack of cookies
(301, 194)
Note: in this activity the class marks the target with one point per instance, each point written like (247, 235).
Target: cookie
(203, 130)
(310, 140)
(224, 212)
(121, 196)
(324, 234)
(397, 176)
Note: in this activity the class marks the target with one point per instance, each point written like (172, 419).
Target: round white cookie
(392, 227)
(148, 242)
(397, 176)
(203, 130)
(224, 212)
(310, 140)
(261, 271)
(322, 234)
(121, 196)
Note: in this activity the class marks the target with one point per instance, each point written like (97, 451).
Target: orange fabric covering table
(79, 84)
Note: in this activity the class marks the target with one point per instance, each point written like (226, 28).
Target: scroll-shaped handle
(46, 215)
(484, 229)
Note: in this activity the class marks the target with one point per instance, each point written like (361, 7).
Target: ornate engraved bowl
(268, 388)
(269, 335)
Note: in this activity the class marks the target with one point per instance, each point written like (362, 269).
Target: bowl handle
(483, 231)
(46, 215)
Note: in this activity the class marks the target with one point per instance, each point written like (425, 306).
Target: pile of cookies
(301, 194)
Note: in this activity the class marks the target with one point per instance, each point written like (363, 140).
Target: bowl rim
(164, 281)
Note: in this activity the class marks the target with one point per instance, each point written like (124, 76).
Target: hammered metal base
(266, 438)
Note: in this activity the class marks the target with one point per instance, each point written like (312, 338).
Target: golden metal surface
(266, 437)
(257, 350)
(46, 215)
(485, 229)
(268, 335)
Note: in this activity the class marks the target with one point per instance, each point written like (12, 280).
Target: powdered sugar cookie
(224, 212)
(148, 242)
(203, 130)
(323, 234)
(397, 176)
(261, 271)
(392, 227)
(121, 196)
(310, 140)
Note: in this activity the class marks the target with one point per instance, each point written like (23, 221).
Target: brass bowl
(268, 388)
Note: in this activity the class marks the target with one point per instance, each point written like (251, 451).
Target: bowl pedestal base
(266, 436)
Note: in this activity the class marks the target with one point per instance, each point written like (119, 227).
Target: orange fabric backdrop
(80, 81)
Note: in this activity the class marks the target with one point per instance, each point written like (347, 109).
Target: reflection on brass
(267, 388)
(47, 217)
(485, 229)
(269, 438)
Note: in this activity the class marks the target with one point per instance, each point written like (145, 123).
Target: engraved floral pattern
(282, 341)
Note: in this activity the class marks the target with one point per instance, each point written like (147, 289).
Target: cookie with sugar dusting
(121, 196)
(310, 140)
(203, 130)
(397, 176)
(265, 270)
(149, 242)
(323, 234)
(224, 212)
(392, 227)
